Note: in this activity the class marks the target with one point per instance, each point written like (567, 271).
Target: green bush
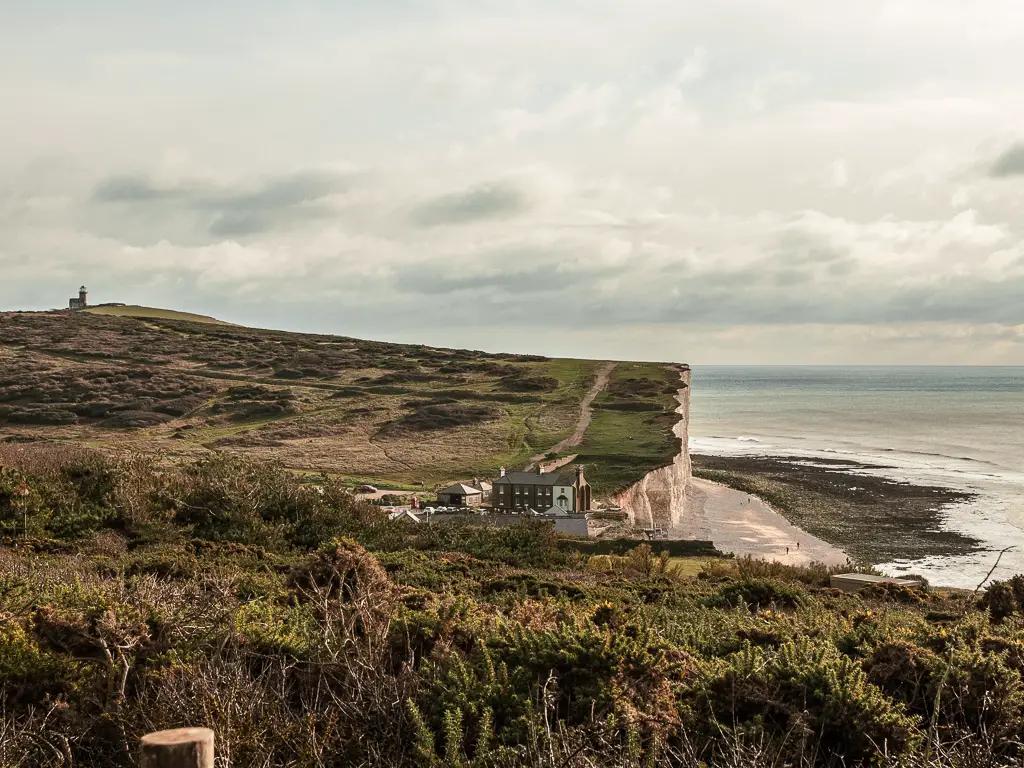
(802, 697)
(757, 594)
(28, 674)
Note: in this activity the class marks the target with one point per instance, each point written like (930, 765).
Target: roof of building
(405, 514)
(555, 510)
(461, 489)
(535, 478)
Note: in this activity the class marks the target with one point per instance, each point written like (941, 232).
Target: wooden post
(178, 748)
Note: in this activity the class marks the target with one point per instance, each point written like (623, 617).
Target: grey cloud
(518, 272)
(1009, 163)
(441, 281)
(487, 201)
(293, 189)
(135, 189)
(225, 211)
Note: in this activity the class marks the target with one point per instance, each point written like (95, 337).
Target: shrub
(999, 600)
(973, 690)
(134, 420)
(805, 698)
(521, 383)
(28, 674)
(43, 417)
(891, 592)
(757, 594)
(444, 416)
(181, 406)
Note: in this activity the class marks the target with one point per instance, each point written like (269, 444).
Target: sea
(957, 427)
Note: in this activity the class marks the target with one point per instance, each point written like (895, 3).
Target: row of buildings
(511, 492)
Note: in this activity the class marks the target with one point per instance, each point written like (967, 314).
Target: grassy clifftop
(134, 310)
(408, 415)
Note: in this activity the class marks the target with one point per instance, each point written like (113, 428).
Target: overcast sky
(738, 181)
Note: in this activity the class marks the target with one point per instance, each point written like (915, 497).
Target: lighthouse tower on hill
(82, 301)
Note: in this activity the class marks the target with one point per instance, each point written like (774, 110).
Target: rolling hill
(174, 384)
(134, 310)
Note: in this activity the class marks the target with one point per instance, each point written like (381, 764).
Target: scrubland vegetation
(309, 631)
(406, 414)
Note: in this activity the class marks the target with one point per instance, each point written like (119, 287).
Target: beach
(913, 469)
(873, 518)
(742, 524)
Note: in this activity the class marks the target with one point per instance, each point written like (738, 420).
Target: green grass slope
(133, 310)
(632, 426)
(404, 415)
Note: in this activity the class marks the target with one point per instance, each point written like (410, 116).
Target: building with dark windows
(540, 491)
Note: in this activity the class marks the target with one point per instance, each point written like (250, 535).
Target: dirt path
(603, 374)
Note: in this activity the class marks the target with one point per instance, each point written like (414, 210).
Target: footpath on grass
(586, 413)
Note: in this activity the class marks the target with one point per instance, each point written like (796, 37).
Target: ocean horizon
(959, 427)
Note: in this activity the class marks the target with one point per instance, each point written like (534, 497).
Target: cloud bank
(729, 183)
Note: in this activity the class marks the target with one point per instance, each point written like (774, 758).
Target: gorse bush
(811, 698)
(756, 594)
(309, 630)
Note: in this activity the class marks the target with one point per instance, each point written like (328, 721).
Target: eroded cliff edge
(659, 499)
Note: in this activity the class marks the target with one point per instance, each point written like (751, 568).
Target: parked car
(366, 489)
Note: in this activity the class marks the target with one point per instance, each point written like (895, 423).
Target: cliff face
(659, 500)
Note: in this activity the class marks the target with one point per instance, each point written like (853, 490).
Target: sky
(743, 181)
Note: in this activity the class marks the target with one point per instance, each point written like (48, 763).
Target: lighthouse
(82, 301)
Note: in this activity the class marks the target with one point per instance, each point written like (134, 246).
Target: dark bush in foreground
(758, 594)
(308, 629)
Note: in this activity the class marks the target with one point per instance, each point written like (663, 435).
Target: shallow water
(957, 427)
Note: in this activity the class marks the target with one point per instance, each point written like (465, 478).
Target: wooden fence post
(178, 748)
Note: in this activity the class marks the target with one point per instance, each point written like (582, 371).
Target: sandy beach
(742, 524)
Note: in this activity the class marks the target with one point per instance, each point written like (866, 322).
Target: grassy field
(157, 381)
(133, 310)
(631, 429)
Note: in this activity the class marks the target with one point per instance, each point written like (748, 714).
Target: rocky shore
(873, 518)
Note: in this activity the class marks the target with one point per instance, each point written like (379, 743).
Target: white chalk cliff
(659, 500)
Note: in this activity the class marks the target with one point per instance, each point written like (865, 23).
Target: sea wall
(570, 525)
(659, 500)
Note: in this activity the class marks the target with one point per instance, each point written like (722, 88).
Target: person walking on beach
(787, 550)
